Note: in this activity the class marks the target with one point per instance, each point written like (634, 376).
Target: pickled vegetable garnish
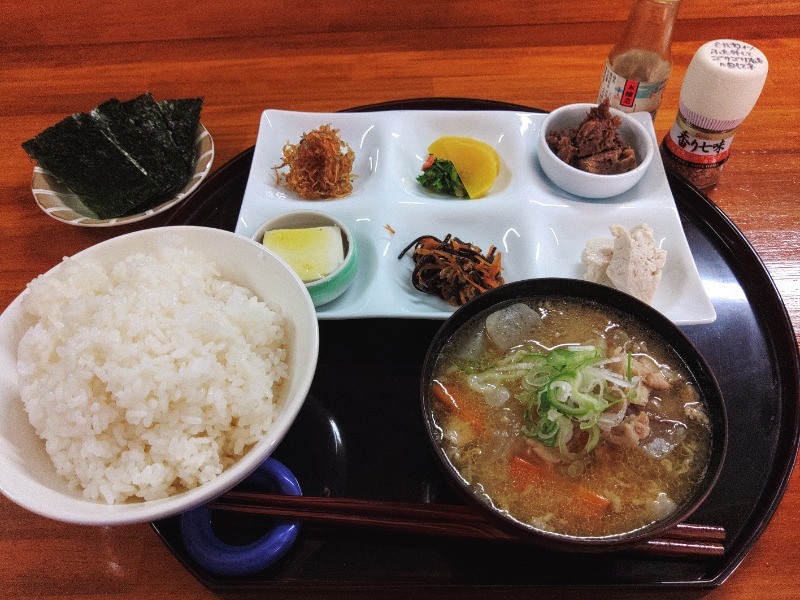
(439, 175)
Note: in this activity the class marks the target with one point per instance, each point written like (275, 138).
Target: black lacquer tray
(360, 433)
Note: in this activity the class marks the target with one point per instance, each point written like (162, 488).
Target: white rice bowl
(158, 379)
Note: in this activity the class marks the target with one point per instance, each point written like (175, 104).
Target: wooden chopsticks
(450, 520)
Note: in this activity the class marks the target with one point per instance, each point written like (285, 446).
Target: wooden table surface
(244, 56)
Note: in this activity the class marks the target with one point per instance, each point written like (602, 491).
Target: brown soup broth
(613, 488)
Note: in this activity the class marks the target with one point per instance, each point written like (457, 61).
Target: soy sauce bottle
(639, 64)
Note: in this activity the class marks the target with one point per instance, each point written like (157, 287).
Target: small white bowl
(27, 475)
(330, 287)
(592, 185)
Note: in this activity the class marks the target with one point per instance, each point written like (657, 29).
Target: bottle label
(629, 95)
(701, 150)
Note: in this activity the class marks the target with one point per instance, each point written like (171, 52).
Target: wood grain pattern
(61, 57)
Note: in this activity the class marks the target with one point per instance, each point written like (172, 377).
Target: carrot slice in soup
(526, 473)
(591, 502)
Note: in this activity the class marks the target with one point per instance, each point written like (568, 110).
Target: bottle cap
(722, 84)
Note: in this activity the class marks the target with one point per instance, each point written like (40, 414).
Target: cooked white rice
(150, 377)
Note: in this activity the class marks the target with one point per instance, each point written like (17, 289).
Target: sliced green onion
(565, 389)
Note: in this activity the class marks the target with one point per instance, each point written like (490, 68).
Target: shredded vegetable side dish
(455, 271)
(320, 165)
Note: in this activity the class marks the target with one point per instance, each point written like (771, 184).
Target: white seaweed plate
(540, 229)
(59, 202)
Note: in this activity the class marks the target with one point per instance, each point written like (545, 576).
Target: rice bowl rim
(253, 261)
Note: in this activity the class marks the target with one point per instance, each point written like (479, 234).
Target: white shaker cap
(722, 84)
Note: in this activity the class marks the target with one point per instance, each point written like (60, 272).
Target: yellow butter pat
(312, 253)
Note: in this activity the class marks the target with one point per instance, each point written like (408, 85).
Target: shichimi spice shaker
(722, 84)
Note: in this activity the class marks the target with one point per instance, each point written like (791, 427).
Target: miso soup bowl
(621, 303)
(593, 185)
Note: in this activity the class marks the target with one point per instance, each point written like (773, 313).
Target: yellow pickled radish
(476, 162)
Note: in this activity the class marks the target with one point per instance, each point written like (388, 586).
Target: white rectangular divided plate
(540, 229)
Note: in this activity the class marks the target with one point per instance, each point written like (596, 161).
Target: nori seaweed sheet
(77, 148)
(122, 157)
(139, 128)
(183, 119)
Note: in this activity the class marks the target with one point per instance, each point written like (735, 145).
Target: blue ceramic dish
(219, 557)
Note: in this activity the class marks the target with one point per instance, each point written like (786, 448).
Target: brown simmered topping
(594, 146)
(320, 165)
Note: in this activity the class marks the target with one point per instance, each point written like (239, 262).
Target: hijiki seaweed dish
(453, 270)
